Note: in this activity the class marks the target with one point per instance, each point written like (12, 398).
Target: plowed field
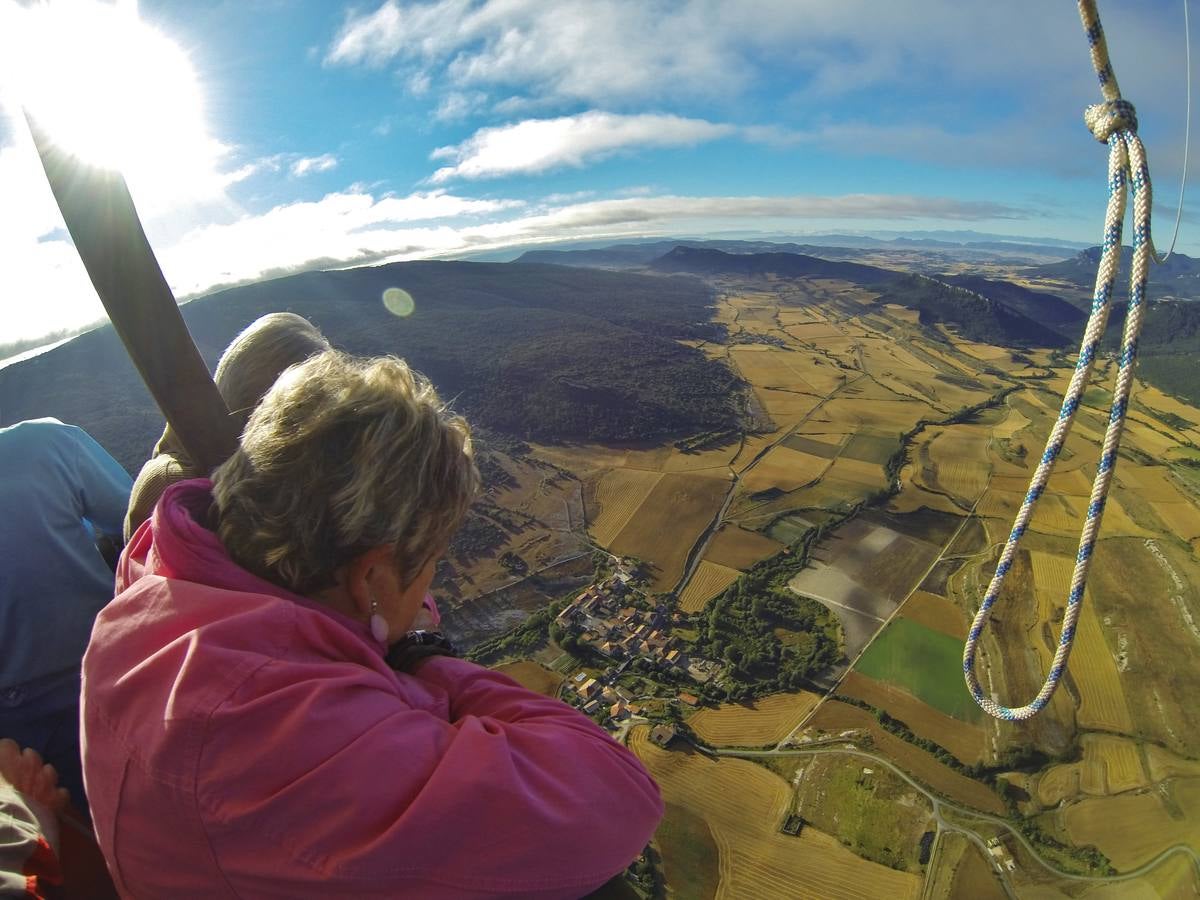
(767, 720)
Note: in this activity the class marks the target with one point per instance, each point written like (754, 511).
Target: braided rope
(1113, 122)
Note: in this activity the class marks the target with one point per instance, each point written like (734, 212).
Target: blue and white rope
(1113, 122)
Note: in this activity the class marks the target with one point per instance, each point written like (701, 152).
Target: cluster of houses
(601, 618)
(594, 694)
(1001, 854)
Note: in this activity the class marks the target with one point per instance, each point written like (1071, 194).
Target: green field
(807, 445)
(788, 529)
(859, 807)
(689, 853)
(875, 448)
(924, 662)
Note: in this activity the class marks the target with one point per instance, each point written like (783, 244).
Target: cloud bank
(538, 145)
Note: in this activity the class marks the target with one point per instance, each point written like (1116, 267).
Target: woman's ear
(364, 573)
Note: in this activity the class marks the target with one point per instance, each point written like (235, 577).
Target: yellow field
(1149, 422)
(791, 315)
(766, 367)
(1150, 439)
(1155, 399)
(1102, 697)
(669, 521)
(785, 469)
(765, 721)
(1131, 829)
(857, 471)
(967, 742)
(708, 580)
(620, 493)
(1076, 483)
(880, 415)
(717, 458)
(936, 612)
(1057, 514)
(1165, 764)
(911, 316)
(1058, 783)
(738, 548)
(1011, 425)
(1152, 483)
(814, 331)
(751, 447)
(1183, 519)
(986, 352)
(961, 463)
(533, 676)
(744, 804)
(913, 496)
(1119, 761)
(786, 405)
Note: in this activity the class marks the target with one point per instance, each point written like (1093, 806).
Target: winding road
(939, 803)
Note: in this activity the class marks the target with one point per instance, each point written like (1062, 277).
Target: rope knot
(1105, 119)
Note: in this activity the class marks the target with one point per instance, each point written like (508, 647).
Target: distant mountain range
(633, 254)
(1178, 278)
(984, 309)
(558, 352)
(994, 312)
(708, 261)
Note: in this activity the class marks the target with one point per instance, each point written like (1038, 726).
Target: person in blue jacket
(60, 493)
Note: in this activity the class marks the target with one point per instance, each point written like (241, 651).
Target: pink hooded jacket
(243, 741)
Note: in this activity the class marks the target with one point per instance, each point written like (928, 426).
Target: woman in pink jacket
(244, 735)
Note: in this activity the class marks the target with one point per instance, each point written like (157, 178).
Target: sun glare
(114, 91)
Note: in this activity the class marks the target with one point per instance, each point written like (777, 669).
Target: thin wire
(1187, 130)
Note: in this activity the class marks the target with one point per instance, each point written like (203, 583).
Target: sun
(112, 90)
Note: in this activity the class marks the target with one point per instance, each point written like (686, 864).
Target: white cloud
(354, 228)
(41, 278)
(339, 229)
(600, 50)
(939, 62)
(458, 105)
(537, 145)
(345, 229)
(307, 165)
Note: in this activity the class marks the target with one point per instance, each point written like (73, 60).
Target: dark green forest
(977, 318)
(539, 352)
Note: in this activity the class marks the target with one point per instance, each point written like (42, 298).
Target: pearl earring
(379, 625)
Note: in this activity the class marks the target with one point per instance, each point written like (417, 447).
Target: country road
(938, 803)
(696, 554)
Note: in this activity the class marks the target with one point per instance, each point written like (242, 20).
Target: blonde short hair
(343, 455)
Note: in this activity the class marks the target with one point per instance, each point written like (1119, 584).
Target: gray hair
(342, 455)
(257, 356)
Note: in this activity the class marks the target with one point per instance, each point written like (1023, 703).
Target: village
(613, 619)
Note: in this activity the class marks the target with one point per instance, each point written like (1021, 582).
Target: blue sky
(333, 134)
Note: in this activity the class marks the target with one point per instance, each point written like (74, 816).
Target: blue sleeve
(103, 486)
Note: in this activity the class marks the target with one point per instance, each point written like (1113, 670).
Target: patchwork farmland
(860, 431)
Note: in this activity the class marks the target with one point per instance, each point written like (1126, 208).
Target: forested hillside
(1047, 309)
(1169, 348)
(541, 352)
(702, 261)
(977, 318)
(1178, 277)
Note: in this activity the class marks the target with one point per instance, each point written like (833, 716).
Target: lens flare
(398, 302)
